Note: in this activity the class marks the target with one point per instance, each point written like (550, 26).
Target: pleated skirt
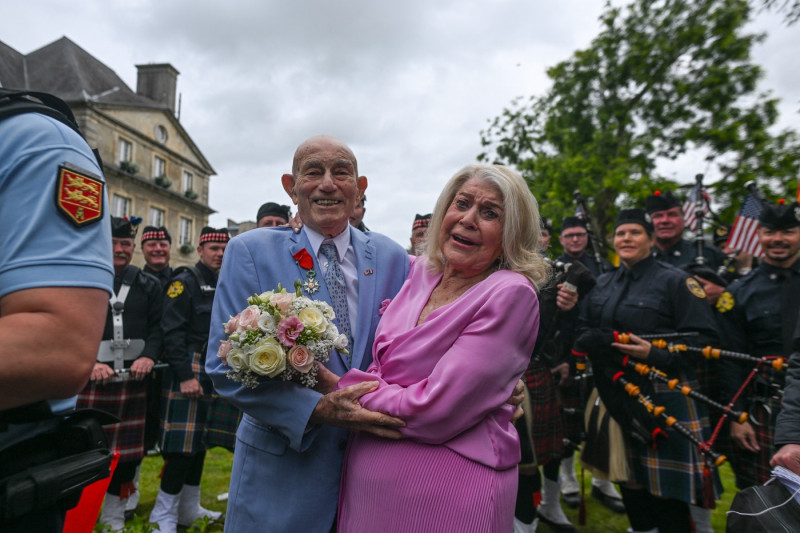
(403, 485)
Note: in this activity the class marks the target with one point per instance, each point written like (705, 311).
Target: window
(156, 217)
(124, 151)
(188, 181)
(185, 233)
(161, 134)
(159, 167)
(121, 206)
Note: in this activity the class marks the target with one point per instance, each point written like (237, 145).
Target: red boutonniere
(304, 259)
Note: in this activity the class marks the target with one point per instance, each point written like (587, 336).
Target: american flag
(689, 210)
(744, 233)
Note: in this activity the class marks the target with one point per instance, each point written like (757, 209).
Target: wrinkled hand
(102, 373)
(516, 399)
(141, 368)
(561, 375)
(191, 388)
(638, 348)
(566, 298)
(326, 380)
(788, 457)
(744, 436)
(341, 408)
(712, 290)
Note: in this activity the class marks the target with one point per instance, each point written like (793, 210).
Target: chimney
(158, 81)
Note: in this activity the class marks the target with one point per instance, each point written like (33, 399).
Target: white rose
(265, 296)
(236, 359)
(268, 358)
(311, 317)
(326, 309)
(266, 323)
(341, 342)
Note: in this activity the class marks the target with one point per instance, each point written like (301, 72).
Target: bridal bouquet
(280, 334)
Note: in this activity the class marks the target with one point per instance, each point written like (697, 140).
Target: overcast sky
(408, 85)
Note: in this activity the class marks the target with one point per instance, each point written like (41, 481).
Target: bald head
(324, 184)
(313, 144)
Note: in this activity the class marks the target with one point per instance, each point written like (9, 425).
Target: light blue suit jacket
(285, 477)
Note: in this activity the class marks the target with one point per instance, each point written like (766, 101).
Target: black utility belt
(52, 468)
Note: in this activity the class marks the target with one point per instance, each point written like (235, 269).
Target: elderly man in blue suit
(291, 439)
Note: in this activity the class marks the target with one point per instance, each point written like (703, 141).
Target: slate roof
(70, 72)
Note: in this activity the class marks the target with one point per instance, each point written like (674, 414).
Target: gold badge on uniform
(725, 302)
(695, 288)
(175, 289)
(79, 197)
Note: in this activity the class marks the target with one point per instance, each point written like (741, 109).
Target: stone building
(153, 168)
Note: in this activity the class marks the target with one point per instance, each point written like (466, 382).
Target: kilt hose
(127, 400)
(547, 426)
(183, 420)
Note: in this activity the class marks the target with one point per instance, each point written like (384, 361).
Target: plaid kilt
(752, 468)
(127, 400)
(547, 427)
(675, 468)
(183, 420)
(223, 420)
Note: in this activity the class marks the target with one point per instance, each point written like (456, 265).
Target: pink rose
(282, 301)
(224, 348)
(232, 324)
(289, 329)
(248, 319)
(301, 359)
(384, 305)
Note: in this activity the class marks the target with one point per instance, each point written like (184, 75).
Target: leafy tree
(661, 79)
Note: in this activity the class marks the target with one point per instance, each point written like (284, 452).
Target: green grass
(216, 476)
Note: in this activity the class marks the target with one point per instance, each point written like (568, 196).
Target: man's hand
(191, 388)
(326, 380)
(566, 298)
(638, 348)
(788, 457)
(102, 373)
(712, 290)
(561, 375)
(516, 399)
(341, 408)
(744, 435)
(141, 367)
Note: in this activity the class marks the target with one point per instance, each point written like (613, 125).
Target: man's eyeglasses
(575, 235)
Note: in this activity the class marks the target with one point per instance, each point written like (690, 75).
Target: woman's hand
(326, 380)
(637, 348)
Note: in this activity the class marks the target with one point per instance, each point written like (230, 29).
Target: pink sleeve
(473, 378)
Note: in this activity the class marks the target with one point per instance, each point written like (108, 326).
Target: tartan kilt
(752, 468)
(675, 468)
(127, 400)
(183, 420)
(547, 427)
(223, 420)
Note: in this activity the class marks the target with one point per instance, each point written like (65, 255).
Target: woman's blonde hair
(521, 228)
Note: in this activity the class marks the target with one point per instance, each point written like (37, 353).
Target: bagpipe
(699, 267)
(594, 240)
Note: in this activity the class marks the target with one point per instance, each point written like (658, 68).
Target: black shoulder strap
(190, 268)
(15, 102)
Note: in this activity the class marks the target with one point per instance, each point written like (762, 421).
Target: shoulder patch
(175, 289)
(79, 196)
(725, 302)
(695, 288)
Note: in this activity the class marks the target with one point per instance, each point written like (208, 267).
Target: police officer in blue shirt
(55, 280)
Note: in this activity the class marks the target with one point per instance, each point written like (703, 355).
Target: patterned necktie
(334, 279)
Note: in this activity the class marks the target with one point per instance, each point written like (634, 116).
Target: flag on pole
(690, 210)
(744, 233)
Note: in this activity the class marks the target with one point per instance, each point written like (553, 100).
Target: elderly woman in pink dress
(448, 351)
